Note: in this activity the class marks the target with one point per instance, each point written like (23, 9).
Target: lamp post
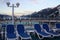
(13, 6)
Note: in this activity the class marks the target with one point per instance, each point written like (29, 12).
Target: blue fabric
(58, 25)
(44, 34)
(25, 35)
(10, 28)
(20, 29)
(10, 31)
(11, 35)
(45, 26)
(38, 29)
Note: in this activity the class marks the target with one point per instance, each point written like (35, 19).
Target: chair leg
(19, 38)
(52, 36)
(40, 37)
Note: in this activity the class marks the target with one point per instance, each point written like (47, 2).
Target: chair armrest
(55, 29)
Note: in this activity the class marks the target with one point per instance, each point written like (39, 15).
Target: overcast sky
(27, 6)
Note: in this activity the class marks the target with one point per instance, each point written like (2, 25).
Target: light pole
(13, 6)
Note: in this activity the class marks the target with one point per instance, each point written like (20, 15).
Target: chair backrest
(10, 28)
(46, 27)
(20, 28)
(3, 25)
(37, 27)
(57, 25)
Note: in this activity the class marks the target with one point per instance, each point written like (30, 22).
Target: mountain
(2, 16)
(48, 13)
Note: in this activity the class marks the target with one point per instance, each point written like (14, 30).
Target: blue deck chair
(40, 32)
(11, 32)
(50, 31)
(22, 33)
(58, 25)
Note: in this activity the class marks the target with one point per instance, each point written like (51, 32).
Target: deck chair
(40, 32)
(4, 31)
(50, 31)
(58, 25)
(22, 33)
(11, 35)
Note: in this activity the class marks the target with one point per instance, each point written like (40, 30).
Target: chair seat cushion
(24, 35)
(11, 35)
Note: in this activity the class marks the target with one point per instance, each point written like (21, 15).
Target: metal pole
(12, 13)
(17, 5)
